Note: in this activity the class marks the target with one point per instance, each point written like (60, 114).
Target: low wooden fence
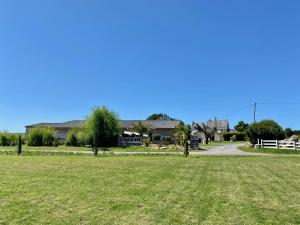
(278, 144)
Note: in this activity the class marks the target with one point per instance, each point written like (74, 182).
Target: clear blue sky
(194, 59)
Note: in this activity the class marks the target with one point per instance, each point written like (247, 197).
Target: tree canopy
(141, 128)
(181, 133)
(103, 125)
(160, 116)
(241, 126)
(266, 129)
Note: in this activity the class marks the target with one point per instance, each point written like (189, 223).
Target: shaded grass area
(149, 190)
(269, 150)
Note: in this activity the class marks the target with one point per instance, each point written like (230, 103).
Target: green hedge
(9, 139)
(240, 136)
(41, 136)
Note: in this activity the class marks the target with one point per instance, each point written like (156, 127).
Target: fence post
(277, 146)
(295, 146)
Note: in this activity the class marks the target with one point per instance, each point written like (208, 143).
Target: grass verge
(149, 190)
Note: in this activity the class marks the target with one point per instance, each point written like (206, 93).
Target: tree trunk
(206, 140)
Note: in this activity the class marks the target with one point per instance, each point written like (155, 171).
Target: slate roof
(221, 124)
(125, 124)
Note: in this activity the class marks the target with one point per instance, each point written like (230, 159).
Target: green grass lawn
(46, 148)
(270, 150)
(149, 190)
(85, 149)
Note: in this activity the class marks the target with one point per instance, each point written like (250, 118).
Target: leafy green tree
(141, 128)
(241, 126)
(266, 129)
(159, 116)
(288, 132)
(181, 133)
(103, 125)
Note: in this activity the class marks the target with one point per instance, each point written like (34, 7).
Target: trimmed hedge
(240, 136)
(41, 136)
(9, 139)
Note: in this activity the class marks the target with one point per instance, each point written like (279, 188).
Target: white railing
(278, 144)
(130, 141)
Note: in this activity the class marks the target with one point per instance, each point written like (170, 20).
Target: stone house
(220, 127)
(161, 129)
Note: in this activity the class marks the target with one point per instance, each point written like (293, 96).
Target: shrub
(147, 142)
(72, 139)
(13, 140)
(239, 136)
(84, 138)
(48, 137)
(41, 136)
(4, 139)
(35, 137)
(266, 129)
(288, 132)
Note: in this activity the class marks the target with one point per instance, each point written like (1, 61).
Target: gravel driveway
(233, 150)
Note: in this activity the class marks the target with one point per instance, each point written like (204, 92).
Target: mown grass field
(86, 149)
(149, 190)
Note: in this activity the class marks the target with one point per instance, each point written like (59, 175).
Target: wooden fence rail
(278, 144)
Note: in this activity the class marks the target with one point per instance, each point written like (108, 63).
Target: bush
(72, 139)
(41, 136)
(84, 138)
(13, 139)
(147, 142)
(4, 139)
(35, 137)
(239, 136)
(266, 129)
(288, 132)
(48, 137)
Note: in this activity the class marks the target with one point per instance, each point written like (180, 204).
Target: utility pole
(255, 112)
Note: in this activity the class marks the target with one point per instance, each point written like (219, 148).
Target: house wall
(217, 136)
(163, 133)
(62, 132)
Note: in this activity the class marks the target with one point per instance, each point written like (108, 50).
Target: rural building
(220, 126)
(160, 129)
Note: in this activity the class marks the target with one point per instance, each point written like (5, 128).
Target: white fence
(278, 144)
